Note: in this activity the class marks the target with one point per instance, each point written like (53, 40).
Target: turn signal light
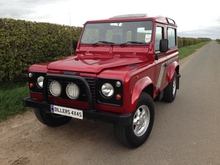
(118, 97)
(31, 85)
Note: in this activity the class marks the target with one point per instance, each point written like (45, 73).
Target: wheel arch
(174, 66)
(143, 85)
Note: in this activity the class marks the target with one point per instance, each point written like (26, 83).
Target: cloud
(13, 11)
(208, 32)
(217, 21)
(75, 13)
(209, 29)
(23, 9)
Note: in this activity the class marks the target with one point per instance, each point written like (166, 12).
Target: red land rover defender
(120, 66)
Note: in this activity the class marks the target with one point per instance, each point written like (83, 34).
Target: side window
(158, 37)
(171, 37)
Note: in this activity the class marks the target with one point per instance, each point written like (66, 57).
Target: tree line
(184, 41)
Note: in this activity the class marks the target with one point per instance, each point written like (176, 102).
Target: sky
(194, 18)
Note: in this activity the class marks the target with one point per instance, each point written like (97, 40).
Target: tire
(50, 119)
(170, 90)
(143, 117)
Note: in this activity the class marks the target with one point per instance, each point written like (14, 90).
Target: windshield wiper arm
(132, 42)
(103, 42)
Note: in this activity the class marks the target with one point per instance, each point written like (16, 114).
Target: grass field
(187, 50)
(11, 94)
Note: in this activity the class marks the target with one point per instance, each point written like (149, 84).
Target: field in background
(187, 50)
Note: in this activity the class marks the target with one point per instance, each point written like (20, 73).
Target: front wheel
(139, 130)
(52, 120)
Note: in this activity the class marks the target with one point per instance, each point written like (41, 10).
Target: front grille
(83, 96)
(91, 81)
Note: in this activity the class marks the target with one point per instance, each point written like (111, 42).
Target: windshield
(138, 32)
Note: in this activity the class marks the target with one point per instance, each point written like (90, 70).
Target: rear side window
(171, 37)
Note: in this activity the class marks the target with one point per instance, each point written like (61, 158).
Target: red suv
(121, 65)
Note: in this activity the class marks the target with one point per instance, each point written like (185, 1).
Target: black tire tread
(48, 119)
(168, 96)
(123, 133)
(120, 133)
(38, 116)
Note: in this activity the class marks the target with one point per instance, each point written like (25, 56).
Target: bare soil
(24, 140)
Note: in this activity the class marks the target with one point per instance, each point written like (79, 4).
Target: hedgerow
(23, 43)
(184, 41)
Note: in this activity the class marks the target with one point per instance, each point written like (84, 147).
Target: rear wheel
(170, 90)
(52, 120)
(139, 130)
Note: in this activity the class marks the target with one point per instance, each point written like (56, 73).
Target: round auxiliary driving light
(72, 91)
(55, 88)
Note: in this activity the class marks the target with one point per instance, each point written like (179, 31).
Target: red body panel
(134, 65)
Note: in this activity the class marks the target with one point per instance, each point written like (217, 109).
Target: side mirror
(163, 45)
(75, 44)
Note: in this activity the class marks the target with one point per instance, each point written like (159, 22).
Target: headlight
(55, 88)
(40, 81)
(107, 90)
(72, 91)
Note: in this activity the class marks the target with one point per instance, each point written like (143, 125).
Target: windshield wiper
(132, 42)
(103, 42)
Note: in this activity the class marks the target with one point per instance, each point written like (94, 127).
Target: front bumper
(121, 119)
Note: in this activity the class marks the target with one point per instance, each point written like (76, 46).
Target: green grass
(188, 50)
(11, 95)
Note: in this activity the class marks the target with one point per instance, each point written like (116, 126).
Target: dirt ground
(19, 142)
(24, 140)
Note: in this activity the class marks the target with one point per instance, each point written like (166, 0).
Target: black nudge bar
(67, 78)
(122, 119)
